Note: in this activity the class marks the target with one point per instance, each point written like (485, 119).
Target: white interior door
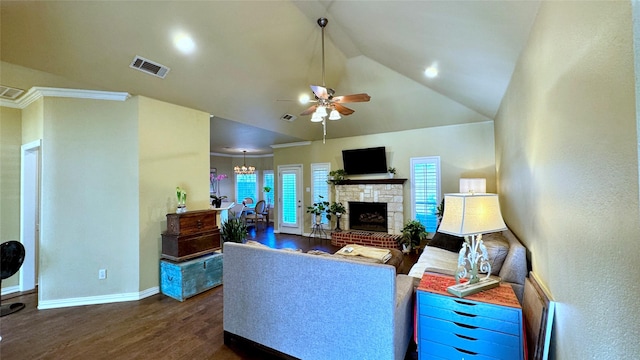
(30, 213)
(290, 199)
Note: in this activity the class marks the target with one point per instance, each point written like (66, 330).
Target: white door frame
(297, 168)
(30, 189)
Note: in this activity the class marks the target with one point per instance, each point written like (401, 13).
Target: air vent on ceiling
(150, 67)
(10, 93)
(288, 117)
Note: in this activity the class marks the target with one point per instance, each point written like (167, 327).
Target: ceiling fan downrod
(322, 22)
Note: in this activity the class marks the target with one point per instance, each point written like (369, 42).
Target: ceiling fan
(327, 103)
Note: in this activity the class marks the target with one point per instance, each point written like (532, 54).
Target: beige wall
(89, 199)
(10, 142)
(567, 165)
(464, 150)
(174, 151)
(32, 121)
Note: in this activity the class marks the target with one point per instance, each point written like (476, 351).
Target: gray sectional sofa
(315, 307)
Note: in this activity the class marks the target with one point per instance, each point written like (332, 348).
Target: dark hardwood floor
(157, 327)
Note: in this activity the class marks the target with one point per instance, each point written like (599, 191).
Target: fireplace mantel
(372, 181)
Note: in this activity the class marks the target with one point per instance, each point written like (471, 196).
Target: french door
(290, 214)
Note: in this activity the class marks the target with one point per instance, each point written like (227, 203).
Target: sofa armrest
(514, 268)
(403, 314)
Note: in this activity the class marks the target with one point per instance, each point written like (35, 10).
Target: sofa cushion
(446, 242)
(497, 248)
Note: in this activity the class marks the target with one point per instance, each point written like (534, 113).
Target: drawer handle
(465, 326)
(199, 224)
(464, 303)
(463, 314)
(204, 265)
(170, 278)
(466, 351)
(465, 337)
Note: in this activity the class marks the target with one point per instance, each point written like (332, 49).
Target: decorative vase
(391, 175)
(406, 248)
(318, 219)
(217, 203)
(181, 209)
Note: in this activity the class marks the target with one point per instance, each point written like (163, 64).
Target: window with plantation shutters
(425, 190)
(319, 185)
(246, 186)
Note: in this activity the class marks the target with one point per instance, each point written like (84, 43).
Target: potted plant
(391, 171)
(267, 189)
(337, 209)
(337, 176)
(234, 230)
(216, 200)
(413, 233)
(318, 208)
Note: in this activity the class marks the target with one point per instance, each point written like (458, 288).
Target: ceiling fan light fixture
(334, 115)
(321, 111)
(431, 71)
(315, 117)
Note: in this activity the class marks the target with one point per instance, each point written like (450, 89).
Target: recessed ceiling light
(431, 71)
(184, 42)
(304, 99)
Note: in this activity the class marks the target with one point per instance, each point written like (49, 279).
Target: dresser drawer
(183, 280)
(459, 331)
(471, 307)
(471, 320)
(472, 339)
(432, 350)
(191, 222)
(184, 247)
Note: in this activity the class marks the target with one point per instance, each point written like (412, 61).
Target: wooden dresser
(190, 234)
(486, 325)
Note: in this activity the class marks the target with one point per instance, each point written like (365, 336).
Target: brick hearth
(376, 239)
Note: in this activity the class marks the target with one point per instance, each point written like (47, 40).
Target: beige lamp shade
(475, 185)
(471, 214)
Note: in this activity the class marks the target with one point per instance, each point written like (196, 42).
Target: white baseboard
(93, 300)
(10, 290)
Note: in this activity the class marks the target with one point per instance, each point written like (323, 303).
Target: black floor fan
(11, 258)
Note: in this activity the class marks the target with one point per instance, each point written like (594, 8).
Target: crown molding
(37, 92)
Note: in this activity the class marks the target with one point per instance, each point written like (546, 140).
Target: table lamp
(471, 215)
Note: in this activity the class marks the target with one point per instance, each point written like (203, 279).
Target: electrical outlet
(102, 274)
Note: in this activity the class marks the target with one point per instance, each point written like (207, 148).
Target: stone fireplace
(368, 216)
(388, 192)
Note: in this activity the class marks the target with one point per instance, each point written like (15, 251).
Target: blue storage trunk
(181, 280)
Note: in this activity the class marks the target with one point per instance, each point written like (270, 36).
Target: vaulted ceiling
(252, 59)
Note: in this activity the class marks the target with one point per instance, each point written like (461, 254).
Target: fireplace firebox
(368, 216)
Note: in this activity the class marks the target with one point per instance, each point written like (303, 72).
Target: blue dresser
(181, 280)
(485, 326)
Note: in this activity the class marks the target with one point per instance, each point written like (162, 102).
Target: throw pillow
(497, 248)
(446, 242)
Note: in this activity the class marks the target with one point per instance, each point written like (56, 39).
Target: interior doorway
(30, 180)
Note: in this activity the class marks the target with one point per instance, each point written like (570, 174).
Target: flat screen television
(365, 161)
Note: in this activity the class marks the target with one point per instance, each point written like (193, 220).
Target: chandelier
(244, 169)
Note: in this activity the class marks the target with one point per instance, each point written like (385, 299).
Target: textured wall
(567, 165)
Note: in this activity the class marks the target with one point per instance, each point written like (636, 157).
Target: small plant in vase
(413, 233)
(391, 171)
(337, 176)
(216, 200)
(181, 196)
(336, 209)
(318, 208)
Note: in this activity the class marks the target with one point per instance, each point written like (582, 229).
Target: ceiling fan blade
(309, 111)
(320, 91)
(352, 98)
(343, 109)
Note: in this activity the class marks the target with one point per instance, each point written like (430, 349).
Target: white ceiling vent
(150, 67)
(10, 93)
(288, 117)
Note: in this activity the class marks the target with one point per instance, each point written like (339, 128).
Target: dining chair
(258, 216)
